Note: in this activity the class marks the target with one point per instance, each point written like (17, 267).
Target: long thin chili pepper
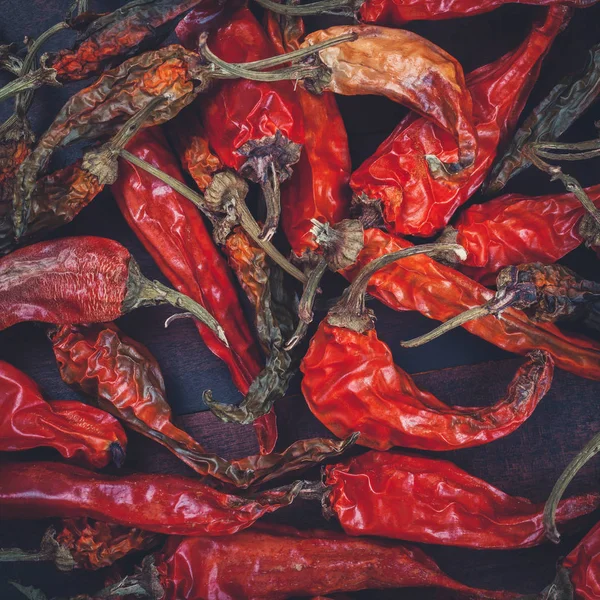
(85, 544)
(439, 292)
(276, 562)
(80, 433)
(408, 497)
(542, 292)
(351, 383)
(123, 378)
(396, 178)
(515, 229)
(415, 73)
(399, 12)
(81, 280)
(160, 503)
(173, 231)
(255, 128)
(565, 103)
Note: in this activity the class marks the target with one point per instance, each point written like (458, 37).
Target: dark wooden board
(459, 368)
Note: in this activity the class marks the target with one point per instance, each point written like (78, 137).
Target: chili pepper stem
(10, 62)
(271, 195)
(346, 8)
(31, 81)
(247, 221)
(305, 306)
(351, 312)
(589, 451)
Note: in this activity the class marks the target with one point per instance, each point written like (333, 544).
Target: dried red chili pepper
(396, 178)
(351, 383)
(514, 229)
(415, 73)
(408, 497)
(565, 103)
(123, 377)
(545, 293)
(81, 280)
(439, 292)
(85, 544)
(398, 12)
(160, 503)
(255, 128)
(277, 562)
(81, 433)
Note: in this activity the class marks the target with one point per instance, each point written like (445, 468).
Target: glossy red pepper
(583, 566)
(439, 292)
(397, 178)
(80, 280)
(81, 433)
(255, 128)
(515, 229)
(408, 497)
(278, 562)
(160, 503)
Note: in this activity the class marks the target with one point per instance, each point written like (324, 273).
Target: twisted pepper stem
(589, 451)
(345, 8)
(31, 81)
(247, 221)
(271, 195)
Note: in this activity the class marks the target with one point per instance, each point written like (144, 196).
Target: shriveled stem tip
(589, 451)
(30, 81)
(338, 7)
(271, 194)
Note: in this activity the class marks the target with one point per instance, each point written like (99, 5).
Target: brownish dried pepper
(124, 378)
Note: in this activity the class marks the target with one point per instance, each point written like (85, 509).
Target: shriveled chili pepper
(545, 293)
(160, 503)
(277, 562)
(255, 128)
(123, 377)
(81, 280)
(409, 497)
(514, 229)
(81, 433)
(565, 103)
(439, 292)
(415, 73)
(85, 544)
(396, 178)
(399, 12)
(351, 383)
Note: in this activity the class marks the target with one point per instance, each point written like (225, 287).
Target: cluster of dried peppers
(242, 103)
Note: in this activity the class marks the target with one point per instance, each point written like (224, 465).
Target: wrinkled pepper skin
(415, 73)
(583, 565)
(318, 189)
(206, 16)
(407, 497)
(515, 229)
(159, 503)
(278, 562)
(351, 383)
(413, 202)
(80, 433)
(69, 280)
(398, 12)
(439, 292)
(173, 232)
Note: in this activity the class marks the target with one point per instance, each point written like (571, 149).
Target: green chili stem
(31, 81)
(271, 196)
(247, 221)
(589, 451)
(316, 8)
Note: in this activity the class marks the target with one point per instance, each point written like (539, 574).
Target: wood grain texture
(459, 368)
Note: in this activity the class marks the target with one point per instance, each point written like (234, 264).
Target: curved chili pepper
(277, 562)
(415, 73)
(514, 229)
(82, 433)
(85, 544)
(397, 178)
(255, 128)
(439, 292)
(123, 377)
(402, 496)
(160, 503)
(81, 280)
(398, 12)
(351, 383)
(565, 103)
